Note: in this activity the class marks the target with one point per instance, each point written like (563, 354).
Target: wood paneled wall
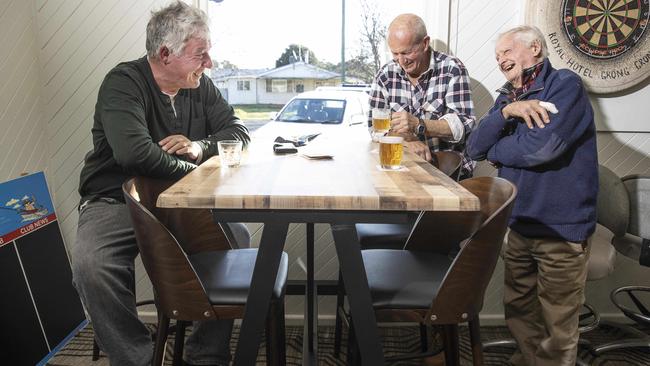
(23, 139)
(79, 41)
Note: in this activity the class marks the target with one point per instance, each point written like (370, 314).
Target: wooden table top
(352, 180)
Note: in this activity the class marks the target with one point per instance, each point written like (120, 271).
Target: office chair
(635, 244)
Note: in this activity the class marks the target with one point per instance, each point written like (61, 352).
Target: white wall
(263, 97)
(56, 53)
(78, 42)
(242, 96)
(23, 138)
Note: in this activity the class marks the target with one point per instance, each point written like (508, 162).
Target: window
(243, 85)
(300, 86)
(278, 86)
(328, 111)
(309, 27)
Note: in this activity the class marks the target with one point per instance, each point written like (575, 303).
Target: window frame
(243, 85)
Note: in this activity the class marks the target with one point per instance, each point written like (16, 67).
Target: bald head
(408, 26)
(409, 44)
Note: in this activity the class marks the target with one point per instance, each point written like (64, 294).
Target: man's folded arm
(130, 140)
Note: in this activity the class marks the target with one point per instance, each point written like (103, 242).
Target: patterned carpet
(396, 340)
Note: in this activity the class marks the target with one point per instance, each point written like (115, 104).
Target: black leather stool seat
(383, 236)
(421, 271)
(226, 275)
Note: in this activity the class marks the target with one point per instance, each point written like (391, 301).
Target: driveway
(254, 124)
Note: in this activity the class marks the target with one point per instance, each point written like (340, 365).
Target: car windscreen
(328, 111)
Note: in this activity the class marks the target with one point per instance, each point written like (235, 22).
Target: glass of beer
(390, 152)
(380, 122)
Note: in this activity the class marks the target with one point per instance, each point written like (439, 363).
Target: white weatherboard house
(275, 86)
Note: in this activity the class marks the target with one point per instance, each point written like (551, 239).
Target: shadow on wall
(481, 96)
(624, 110)
(483, 101)
(623, 151)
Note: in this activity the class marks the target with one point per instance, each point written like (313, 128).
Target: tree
(373, 34)
(361, 67)
(365, 64)
(358, 67)
(225, 64)
(295, 53)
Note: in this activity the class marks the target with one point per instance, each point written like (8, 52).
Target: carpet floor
(395, 340)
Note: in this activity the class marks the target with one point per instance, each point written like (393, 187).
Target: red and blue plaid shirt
(443, 89)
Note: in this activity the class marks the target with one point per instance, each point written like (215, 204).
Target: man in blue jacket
(540, 134)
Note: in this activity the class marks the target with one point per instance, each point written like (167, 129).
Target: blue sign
(25, 205)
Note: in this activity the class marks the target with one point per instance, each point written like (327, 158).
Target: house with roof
(274, 86)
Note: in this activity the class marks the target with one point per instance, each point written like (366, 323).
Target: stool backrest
(638, 188)
(448, 162)
(178, 291)
(460, 295)
(613, 202)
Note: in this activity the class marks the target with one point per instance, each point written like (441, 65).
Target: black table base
(276, 223)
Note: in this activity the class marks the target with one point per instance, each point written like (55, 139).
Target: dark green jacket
(132, 115)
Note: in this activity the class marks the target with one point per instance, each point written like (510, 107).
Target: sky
(254, 33)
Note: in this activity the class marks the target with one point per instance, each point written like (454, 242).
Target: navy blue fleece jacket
(554, 168)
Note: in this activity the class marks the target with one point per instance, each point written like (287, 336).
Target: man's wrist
(198, 151)
(421, 128)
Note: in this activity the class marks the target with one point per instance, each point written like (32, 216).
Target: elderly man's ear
(163, 55)
(537, 49)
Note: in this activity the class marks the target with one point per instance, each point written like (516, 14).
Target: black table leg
(310, 336)
(259, 296)
(356, 287)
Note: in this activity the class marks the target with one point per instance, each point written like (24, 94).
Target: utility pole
(342, 41)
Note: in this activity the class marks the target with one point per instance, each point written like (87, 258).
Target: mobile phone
(284, 148)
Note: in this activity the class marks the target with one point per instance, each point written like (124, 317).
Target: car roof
(332, 94)
(347, 87)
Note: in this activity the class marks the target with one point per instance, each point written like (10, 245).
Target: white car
(336, 106)
(325, 112)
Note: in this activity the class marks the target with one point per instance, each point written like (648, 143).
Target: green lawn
(255, 111)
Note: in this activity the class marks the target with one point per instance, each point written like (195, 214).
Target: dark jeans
(103, 272)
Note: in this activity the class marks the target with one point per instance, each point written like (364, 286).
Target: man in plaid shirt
(428, 93)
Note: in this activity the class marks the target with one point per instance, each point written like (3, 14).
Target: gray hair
(174, 25)
(528, 35)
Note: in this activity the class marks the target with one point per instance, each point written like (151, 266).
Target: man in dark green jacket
(158, 116)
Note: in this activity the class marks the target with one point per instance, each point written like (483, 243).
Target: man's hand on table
(420, 148)
(180, 145)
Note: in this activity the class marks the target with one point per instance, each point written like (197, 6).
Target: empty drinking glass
(229, 152)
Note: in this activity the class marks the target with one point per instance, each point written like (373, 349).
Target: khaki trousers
(544, 291)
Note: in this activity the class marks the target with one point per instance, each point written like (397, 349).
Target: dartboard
(604, 29)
